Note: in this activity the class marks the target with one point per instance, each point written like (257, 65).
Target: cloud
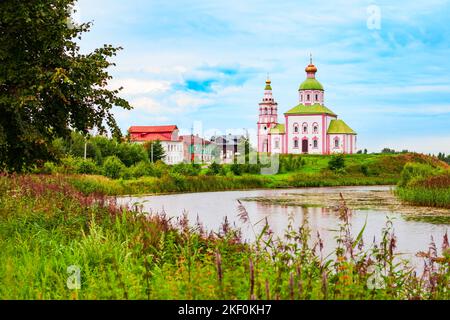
(147, 105)
(208, 60)
(138, 86)
(185, 101)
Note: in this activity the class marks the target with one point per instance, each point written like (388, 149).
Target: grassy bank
(425, 185)
(46, 226)
(294, 171)
(178, 183)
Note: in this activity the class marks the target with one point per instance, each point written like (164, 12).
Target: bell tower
(268, 117)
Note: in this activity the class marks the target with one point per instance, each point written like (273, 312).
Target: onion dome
(311, 69)
(268, 85)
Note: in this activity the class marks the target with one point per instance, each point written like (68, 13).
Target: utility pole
(152, 150)
(192, 145)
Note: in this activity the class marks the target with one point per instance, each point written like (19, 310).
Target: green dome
(311, 84)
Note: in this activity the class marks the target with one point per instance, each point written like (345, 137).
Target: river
(414, 227)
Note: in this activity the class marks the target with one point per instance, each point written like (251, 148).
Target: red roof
(152, 137)
(152, 129)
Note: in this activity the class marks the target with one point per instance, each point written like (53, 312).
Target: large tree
(47, 87)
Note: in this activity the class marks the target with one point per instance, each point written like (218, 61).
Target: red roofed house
(167, 135)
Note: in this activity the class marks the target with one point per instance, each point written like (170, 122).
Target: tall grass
(47, 225)
(424, 185)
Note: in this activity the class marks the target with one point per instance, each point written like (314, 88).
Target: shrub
(85, 166)
(49, 168)
(187, 169)
(236, 169)
(291, 163)
(365, 170)
(141, 169)
(112, 167)
(214, 169)
(337, 162)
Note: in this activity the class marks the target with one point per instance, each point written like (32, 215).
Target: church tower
(311, 91)
(268, 118)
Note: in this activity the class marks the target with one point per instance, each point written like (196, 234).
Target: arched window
(305, 127)
(265, 110)
(307, 97)
(315, 128)
(295, 128)
(296, 143)
(336, 142)
(315, 143)
(317, 97)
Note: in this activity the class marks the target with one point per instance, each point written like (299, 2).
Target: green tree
(131, 153)
(388, 150)
(156, 152)
(112, 167)
(47, 87)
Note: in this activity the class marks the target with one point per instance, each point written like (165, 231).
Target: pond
(414, 227)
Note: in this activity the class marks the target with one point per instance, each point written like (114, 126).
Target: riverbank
(47, 226)
(424, 185)
(178, 184)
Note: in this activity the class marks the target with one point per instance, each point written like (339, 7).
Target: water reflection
(211, 208)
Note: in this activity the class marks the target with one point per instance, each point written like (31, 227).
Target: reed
(47, 225)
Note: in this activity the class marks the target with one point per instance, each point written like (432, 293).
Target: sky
(384, 65)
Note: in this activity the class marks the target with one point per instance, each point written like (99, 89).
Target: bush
(187, 169)
(365, 170)
(68, 165)
(113, 167)
(49, 168)
(86, 166)
(140, 169)
(337, 163)
(214, 169)
(236, 169)
(251, 168)
(291, 163)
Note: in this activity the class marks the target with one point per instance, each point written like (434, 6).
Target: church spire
(311, 68)
(268, 84)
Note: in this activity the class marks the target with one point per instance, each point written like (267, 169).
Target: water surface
(374, 204)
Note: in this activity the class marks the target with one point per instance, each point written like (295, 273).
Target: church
(308, 128)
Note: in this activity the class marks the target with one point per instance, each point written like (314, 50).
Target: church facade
(308, 128)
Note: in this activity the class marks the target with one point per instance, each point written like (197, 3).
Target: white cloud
(137, 86)
(147, 105)
(185, 100)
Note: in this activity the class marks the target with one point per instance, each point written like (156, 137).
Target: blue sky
(206, 61)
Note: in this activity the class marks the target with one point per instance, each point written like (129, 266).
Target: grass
(425, 186)
(47, 225)
(294, 171)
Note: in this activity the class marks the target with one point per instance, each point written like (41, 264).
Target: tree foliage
(47, 87)
(157, 152)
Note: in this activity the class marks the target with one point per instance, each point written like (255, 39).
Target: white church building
(308, 128)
